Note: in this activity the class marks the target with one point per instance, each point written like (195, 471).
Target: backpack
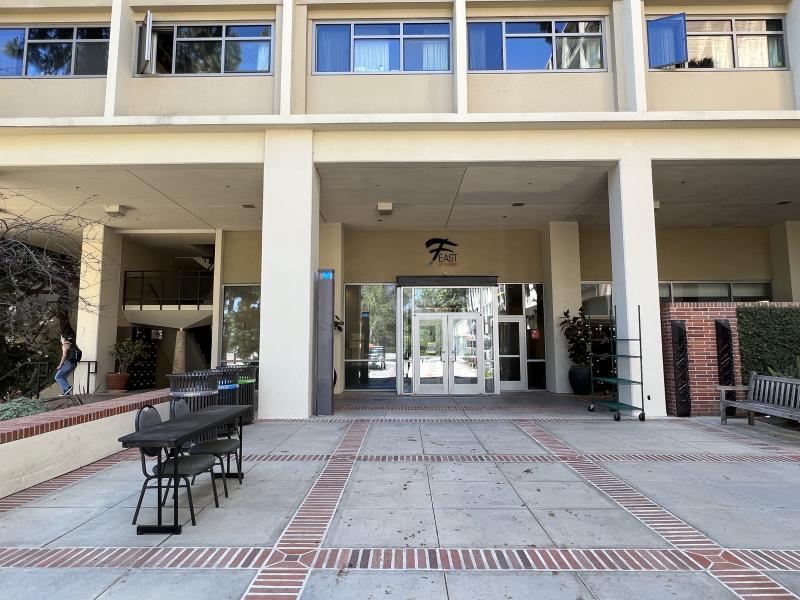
(74, 353)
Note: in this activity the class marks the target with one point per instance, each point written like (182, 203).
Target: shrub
(21, 407)
(578, 332)
(769, 340)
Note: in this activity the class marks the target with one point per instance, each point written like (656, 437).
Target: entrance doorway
(447, 353)
(513, 363)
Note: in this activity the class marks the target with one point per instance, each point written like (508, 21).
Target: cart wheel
(591, 408)
(617, 416)
(641, 416)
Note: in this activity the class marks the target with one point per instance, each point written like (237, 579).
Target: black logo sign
(440, 253)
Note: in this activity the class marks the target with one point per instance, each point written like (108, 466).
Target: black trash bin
(198, 388)
(248, 382)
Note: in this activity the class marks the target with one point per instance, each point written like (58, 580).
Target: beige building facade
(532, 157)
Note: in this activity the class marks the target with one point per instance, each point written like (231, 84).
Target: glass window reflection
(241, 324)
(370, 336)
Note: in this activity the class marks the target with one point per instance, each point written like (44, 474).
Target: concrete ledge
(38, 448)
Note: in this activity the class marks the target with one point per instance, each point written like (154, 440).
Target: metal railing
(39, 375)
(181, 289)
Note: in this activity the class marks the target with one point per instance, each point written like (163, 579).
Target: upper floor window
(734, 43)
(53, 51)
(382, 47)
(535, 45)
(209, 49)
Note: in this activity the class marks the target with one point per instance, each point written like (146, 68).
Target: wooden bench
(776, 396)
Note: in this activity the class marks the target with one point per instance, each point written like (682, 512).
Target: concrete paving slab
(538, 472)
(490, 528)
(234, 526)
(446, 431)
(474, 494)
(561, 494)
(113, 528)
(465, 472)
(790, 581)
(672, 496)
(284, 471)
(38, 526)
(515, 586)
(374, 585)
(655, 586)
(90, 493)
(453, 446)
(768, 495)
(379, 527)
(597, 528)
(196, 584)
(64, 584)
(746, 527)
(386, 494)
(377, 471)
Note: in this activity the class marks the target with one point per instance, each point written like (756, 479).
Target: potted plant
(578, 333)
(125, 353)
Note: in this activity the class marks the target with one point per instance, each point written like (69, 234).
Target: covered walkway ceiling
(424, 196)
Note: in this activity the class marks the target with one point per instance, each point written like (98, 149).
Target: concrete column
(793, 46)
(121, 52)
(179, 356)
(634, 269)
(784, 246)
(331, 256)
(289, 259)
(562, 291)
(285, 57)
(632, 93)
(98, 307)
(460, 55)
(216, 314)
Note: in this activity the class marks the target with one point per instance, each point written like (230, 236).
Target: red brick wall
(701, 333)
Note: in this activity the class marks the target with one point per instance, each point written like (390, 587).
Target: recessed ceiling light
(505, 216)
(783, 203)
(517, 204)
(248, 205)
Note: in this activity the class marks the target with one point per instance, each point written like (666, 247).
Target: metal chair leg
(214, 487)
(224, 476)
(191, 504)
(239, 464)
(139, 504)
(166, 492)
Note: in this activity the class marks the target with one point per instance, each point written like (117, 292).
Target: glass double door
(448, 353)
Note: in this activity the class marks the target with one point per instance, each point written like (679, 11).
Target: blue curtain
(666, 41)
(333, 48)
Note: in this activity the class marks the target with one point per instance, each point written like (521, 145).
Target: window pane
(701, 292)
(333, 48)
(578, 27)
(510, 369)
(485, 46)
(164, 51)
(447, 300)
(751, 292)
(12, 45)
(247, 57)
(534, 319)
(666, 41)
(710, 51)
(528, 27)
(708, 26)
(663, 292)
(579, 53)
(508, 338)
(201, 31)
(54, 33)
(94, 33)
(376, 56)
(596, 299)
(370, 334)
(536, 376)
(53, 59)
(241, 323)
(509, 299)
(91, 59)
(426, 55)
(198, 57)
(377, 29)
(761, 51)
(426, 28)
(247, 30)
(751, 25)
(529, 54)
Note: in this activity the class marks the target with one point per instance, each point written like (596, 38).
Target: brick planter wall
(701, 334)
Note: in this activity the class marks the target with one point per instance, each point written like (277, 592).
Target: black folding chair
(188, 466)
(223, 447)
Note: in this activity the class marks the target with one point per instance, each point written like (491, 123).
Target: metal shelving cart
(614, 380)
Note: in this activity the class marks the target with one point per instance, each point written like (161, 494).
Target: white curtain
(262, 61)
(435, 55)
(580, 53)
(371, 56)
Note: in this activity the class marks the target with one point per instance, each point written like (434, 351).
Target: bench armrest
(733, 388)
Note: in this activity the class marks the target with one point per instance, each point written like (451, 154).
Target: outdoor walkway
(530, 496)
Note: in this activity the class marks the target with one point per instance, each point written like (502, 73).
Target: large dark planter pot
(117, 382)
(580, 378)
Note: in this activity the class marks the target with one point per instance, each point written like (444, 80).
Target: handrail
(184, 288)
(34, 385)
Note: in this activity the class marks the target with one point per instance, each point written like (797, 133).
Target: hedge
(769, 338)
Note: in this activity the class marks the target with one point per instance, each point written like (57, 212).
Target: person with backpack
(70, 357)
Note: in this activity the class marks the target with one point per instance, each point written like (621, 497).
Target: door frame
(479, 387)
(522, 384)
(430, 388)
